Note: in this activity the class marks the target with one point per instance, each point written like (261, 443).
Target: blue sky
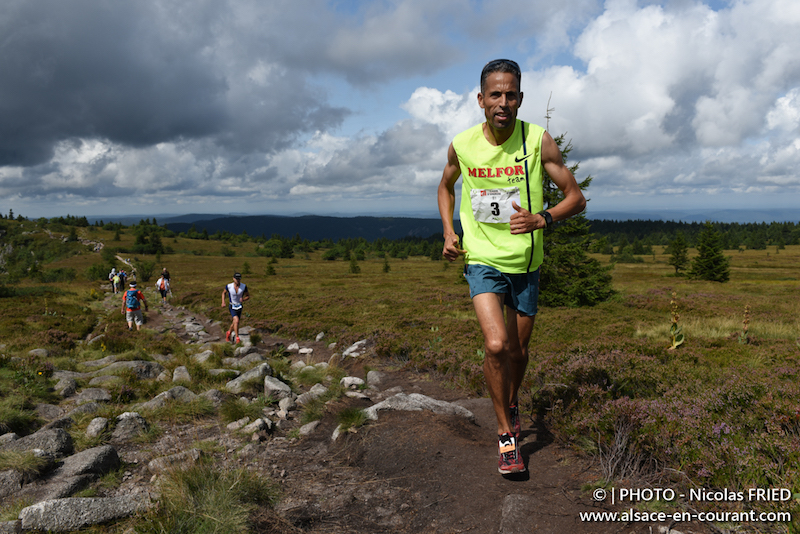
(246, 106)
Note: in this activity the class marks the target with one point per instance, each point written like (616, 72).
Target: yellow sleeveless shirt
(492, 178)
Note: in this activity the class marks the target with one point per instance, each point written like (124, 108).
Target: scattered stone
(275, 388)
(356, 349)
(308, 428)
(203, 357)
(66, 387)
(142, 369)
(105, 380)
(238, 385)
(177, 394)
(320, 336)
(88, 408)
(93, 395)
(305, 351)
(316, 391)
(351, 382)
(296, 366)
(49, 412)
(258, 425)
(180, 459)
(250, 360)
(39, 353)
(293, 347)
(244, 350)
(332, 346)
(102, 362)
(64, 515)
(129, 425)
(181, 374)
(287, 404)
(95, 461)
(417, 402)
(215, 396)
(55, 441)
(238, 425)
(96, 426)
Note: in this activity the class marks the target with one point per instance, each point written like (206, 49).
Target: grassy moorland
(720, 411)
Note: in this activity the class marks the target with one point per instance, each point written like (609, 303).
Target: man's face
(500, 100)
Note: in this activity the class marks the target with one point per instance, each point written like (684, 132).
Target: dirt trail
(410, 472)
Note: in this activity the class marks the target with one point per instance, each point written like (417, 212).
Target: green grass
(201, 500)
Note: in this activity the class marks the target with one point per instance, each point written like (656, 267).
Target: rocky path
(426, 464)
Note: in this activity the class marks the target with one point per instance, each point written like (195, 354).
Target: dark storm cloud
(141, 73)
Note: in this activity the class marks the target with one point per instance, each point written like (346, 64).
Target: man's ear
(480, 100)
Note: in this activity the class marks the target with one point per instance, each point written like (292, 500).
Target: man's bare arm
(447, 202)
(574, 201)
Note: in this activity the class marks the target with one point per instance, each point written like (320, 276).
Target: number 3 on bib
(494, 205)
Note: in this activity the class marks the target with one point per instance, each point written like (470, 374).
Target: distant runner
(501, 162)
(132, 308)
(162, 286)
(236, 292)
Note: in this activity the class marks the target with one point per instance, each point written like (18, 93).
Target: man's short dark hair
(501, 65)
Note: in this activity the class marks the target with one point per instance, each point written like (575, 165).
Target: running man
(236, 292)
(502, 162)
(132, 308)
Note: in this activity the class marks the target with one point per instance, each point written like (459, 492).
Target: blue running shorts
(521, 290)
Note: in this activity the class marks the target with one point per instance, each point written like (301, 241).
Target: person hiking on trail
(236, 292)
(115, 281)
(162, 286)
(132, 308)
(111, 276)
(123, 278)
(502, 162)
(165, 273)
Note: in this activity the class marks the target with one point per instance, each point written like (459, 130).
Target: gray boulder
(142, 369)
(416, 402)
(238, 385)
(129, 425)
(275, 388)
(64, 515)
(55, 441)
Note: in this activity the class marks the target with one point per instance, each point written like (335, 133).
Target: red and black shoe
(510, 457)
(516, 426)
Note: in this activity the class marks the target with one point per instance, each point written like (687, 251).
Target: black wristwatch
(548, 219)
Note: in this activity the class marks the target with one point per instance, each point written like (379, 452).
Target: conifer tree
(710, 263)
(568, 276)
(679, 253)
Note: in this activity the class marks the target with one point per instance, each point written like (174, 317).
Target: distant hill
(316, 228)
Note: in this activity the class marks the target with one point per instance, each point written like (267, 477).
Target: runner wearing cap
(236, 292)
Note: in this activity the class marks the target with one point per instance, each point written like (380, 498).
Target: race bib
(494, 205)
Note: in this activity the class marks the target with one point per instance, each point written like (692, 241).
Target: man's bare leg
(519, 327)
(499, 348)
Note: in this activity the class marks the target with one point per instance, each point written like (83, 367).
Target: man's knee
(496, 347)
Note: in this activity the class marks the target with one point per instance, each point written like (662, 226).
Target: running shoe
(510, 457)
(516, 427)
(238, 339)
(228, 335)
